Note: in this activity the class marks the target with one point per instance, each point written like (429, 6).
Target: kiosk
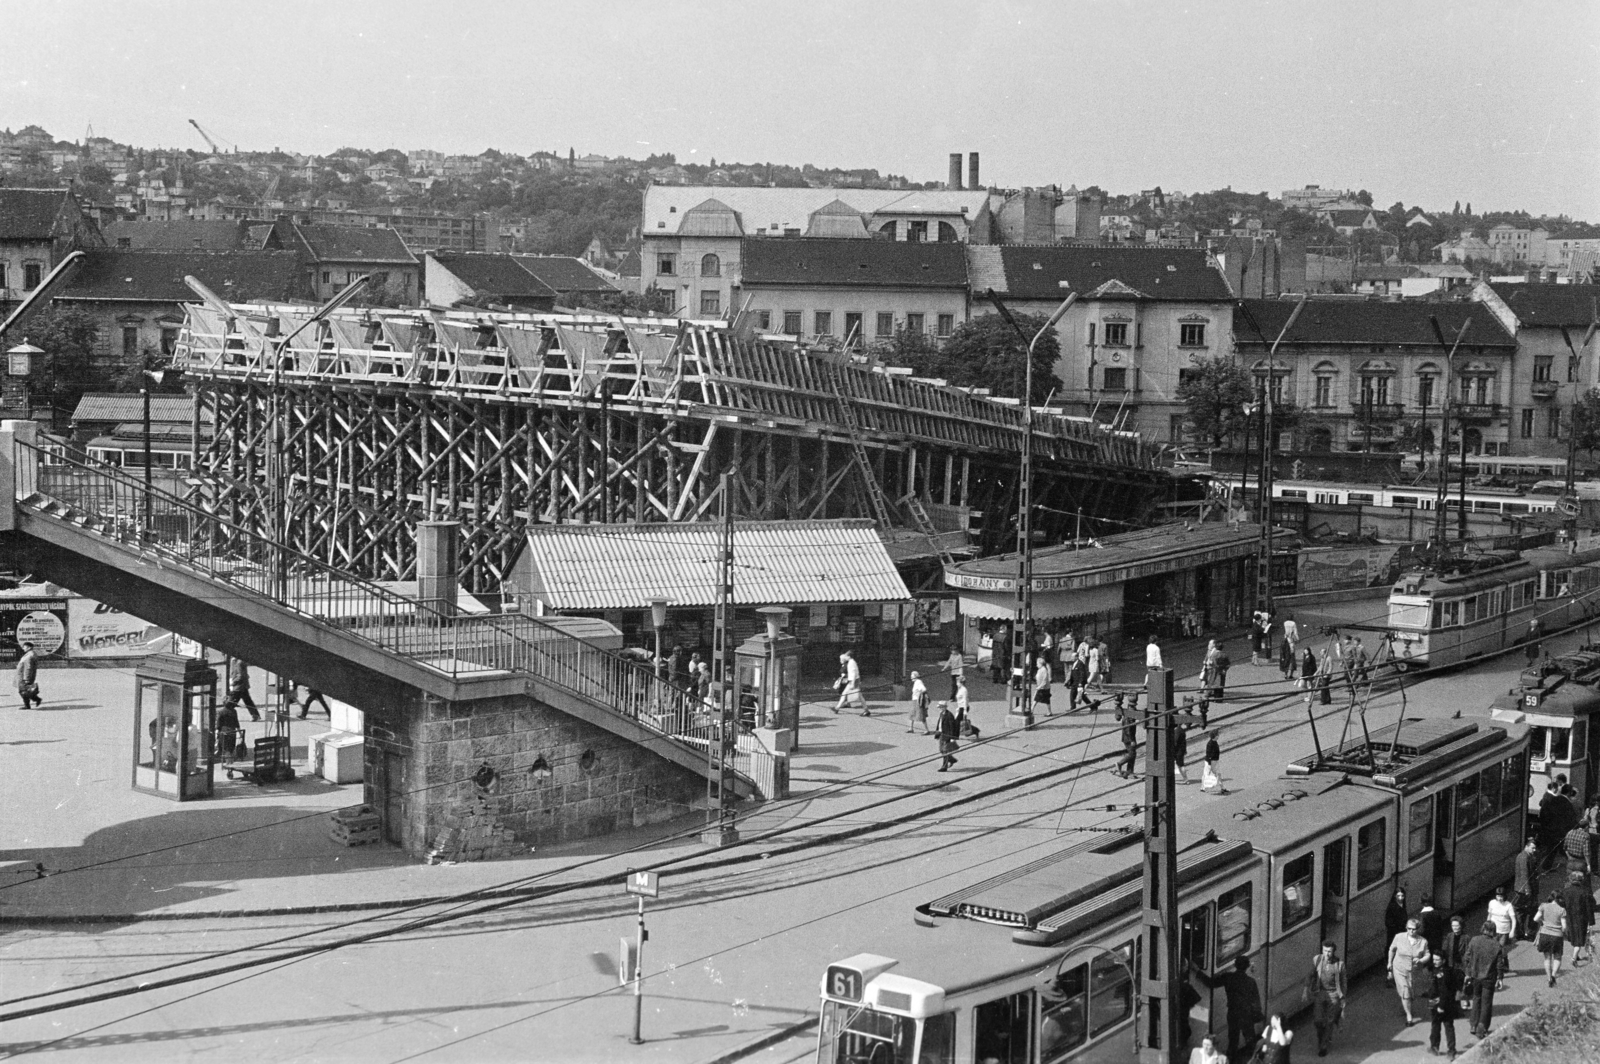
(174, 724)
(767, 683)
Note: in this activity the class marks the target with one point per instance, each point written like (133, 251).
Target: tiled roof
(157, 276)
(29, 213)
(594, 567)
(350, 243)
(494, 275)
(1036, 271)
(563, 273)
(209, 236)
(1364, 321)
(630, 265)
(817, 261)
(759, 208)
(1355, 218)
(128, 406)
(1551, 304)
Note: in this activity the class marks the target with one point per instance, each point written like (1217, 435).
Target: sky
(1491, 103)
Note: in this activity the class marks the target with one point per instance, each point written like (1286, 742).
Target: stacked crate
(357, 826)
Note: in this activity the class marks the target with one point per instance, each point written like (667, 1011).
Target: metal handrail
(179, 530)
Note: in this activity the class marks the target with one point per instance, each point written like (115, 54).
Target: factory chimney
(972, 171)
(954, 184)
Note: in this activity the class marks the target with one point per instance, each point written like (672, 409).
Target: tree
(986, 352)
(1456, 211)
(1215, 394)
(1584, 422)
(1364, 198)
(68, 339)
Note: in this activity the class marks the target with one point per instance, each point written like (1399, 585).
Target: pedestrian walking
(311, 695)
(1130, 740)
(1206, 1052)
(1396, 915)
(1286, 661)
(1308, 669)
(1275, 1042)
(1096, 666)
(228, 732)
(1326, 989)
(1180, 754)
(1291, 635)
(1575, 844)
(1455, 943)
(1579, 903)
(1483, 969)
(1408, 952)
(239, 690)
(946, 731)
(1552, 921)
(956, 666)
(1442, 993)
(1210, 777)
(1257, 640)
(1208, 668)
(1105, 661)
(1591, 824)
(1222, 663)
(1503, 915)
(1243, 997)
(1358, 661)
(1324, 679)
(1432, 922)
(1077, 676)
(1041, 687)
(849, 685)
(919, 703)
(1534, 634)
(1152, 653)
(28, 677)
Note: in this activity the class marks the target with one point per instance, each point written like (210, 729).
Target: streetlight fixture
(658, 620)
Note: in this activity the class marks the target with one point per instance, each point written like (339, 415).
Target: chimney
(954, 184)
(972, 171)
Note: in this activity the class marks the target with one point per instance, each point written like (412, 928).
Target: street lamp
(658, 620)
(158, 376)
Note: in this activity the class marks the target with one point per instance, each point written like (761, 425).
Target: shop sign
(40, 621)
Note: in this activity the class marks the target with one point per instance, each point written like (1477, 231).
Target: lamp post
(158, 376)
(658, 621)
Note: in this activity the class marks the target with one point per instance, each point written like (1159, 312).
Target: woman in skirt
(1041, 687)
(1552, 921)
(919, 703)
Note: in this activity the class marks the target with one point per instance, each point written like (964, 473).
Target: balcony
(1544, 389)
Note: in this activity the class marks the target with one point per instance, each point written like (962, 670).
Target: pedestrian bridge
(443, 694)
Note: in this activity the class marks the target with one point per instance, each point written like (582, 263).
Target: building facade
(38, 228)
(1546, 379)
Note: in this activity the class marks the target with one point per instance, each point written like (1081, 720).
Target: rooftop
(153, 276)
(843, 261)
(563, 273)
(129, 406)
(175, 236)
(1347, 321)
(30, 213)
(1157, 273)
(493, 274)
(350, 243)
(759, 208)
(1126, 556)
(1551, 305)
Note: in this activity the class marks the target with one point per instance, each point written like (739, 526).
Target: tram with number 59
(1040, 964)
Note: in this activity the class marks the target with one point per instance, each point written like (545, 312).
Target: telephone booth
(174, 724)
(767, 684)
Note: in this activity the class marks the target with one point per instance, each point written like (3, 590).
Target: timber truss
(339, 435)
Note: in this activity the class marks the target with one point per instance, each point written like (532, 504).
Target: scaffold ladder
(847, 413)
(924, 522)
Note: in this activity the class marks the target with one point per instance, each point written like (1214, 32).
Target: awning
(603, 567)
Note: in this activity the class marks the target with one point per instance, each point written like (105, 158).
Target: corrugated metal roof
(129, 406)
(595, 567)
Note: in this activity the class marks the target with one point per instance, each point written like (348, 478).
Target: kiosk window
(1298, 899)
(1466, 805)
(1063, 1015)
(1370, 852)
(1233, 924)
(1489, 805)
(1421, 840)
(1110, 989)
(1000, 1028)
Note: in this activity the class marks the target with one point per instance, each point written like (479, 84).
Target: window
(379, 279)
(1110, 989)
(914, 324)
(1192, 334)
(1553, 423)
(1194, 938)
(327, 276)
(1233, 925)
(791, 322)
(1063, 1014)
(865, 1034)
(32, 274)
(1374, 390)
(130, 341)
(1324, 392)
(1298, 897)
(1091, 336)
(710, 266)
(1000, 1028)
(667, 264)
(1466, 805)
(1511, 783)
(1489, 793)
(891, 229)
(852, 327)
(710, 302)
(939, 1039)
(1370, 853)
(1116, 334)
(169, 339)
(1527, 424)
(824, 323)
(1116, 379)
(124, 242)
(1420, 843)
(885, 323)
(1425, 391)
(1541, 369)
(764, 320)
(947, 233)
(917, 232)
(2, 275)
(947, 323)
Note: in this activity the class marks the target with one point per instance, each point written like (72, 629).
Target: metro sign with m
(644, 884)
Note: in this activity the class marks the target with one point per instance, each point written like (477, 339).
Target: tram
(1558, 702)
(1486, 604)
(1039, 965)
(1413, 497)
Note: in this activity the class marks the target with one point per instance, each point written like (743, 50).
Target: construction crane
(211, 143)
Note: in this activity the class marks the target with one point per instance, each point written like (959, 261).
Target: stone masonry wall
(555, 777)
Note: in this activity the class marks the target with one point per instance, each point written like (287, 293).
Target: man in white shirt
(1291, 635)
(1152, 654)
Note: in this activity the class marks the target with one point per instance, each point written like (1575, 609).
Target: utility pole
(1268, 446)
(720, 819)
(1444, 435)
(1161, 965)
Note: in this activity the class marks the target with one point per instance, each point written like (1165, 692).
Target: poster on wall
(40, 621)
(95, 630)
(926, 620)
(1344, 568)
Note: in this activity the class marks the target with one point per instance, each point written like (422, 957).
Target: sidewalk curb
(783, 1034)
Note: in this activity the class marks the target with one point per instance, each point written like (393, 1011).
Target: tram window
(1539, 742)
(1466, 804)
(1408, 615)
(1298, 898)
(1516, 507)
(1438, 615)
(1233, 924)
(866, 1036)
(1000, 1028)
(1579, 733)
(1560, 744)
(1452, 615)
(1370, 853)
(1489, 793)
(1420, 843)
(1110, 988)
(1408, 502)
(938, 1039)
(1512, 783)
(1194, 937)
(1360, 497)
(1063, 1015)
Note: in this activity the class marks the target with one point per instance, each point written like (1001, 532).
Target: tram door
(1444, 849)
(1335, 891)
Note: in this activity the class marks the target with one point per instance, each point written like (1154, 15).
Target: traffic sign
(644, 884)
